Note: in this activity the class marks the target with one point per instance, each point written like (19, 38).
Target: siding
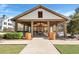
(46, 15)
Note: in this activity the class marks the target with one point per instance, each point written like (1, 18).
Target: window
(10, 24)
(5, 23)
(40, 14)
(8, 19)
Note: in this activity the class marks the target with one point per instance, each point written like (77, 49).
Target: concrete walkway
(65, 41)
(15, 41)
(39, 46)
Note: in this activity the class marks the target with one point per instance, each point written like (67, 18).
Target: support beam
(48, 26)
(16, 26)
(51, 29)
(29, 28)
(24, 28)
(65, 29)
(32, 28)
(56, 29)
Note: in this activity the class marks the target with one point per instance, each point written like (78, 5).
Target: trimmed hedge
(1, 36)
(13, 35)
(20, 35)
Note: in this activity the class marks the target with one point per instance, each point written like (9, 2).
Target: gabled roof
(37, 7)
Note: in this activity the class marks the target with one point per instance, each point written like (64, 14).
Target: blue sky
(12, 10)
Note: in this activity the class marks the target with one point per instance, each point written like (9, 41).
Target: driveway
(40, 46)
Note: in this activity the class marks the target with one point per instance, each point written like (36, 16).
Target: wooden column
(48, 26)
(16, 26)
(24, 28)
(65, 29)
(32, 28)
(56, 29)
(52, 28)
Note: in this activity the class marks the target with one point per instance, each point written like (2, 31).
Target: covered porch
(40, 21)
(41, 28)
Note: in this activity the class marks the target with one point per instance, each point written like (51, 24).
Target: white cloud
(7, 11)
(3, 7)
(69, 13)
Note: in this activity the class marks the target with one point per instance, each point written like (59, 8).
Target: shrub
(19, 35)
(1, 36)
(13, 35)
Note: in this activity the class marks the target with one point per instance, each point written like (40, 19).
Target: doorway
(40, 29)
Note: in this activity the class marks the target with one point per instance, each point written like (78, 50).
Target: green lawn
(11, 49)
(68, 49)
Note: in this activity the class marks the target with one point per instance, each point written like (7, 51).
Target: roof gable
(41, 7)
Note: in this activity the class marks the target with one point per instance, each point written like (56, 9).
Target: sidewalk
(15, 41)
(65, 41)
(39, 46)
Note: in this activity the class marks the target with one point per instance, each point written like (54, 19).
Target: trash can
(28, 36)
(51, 35)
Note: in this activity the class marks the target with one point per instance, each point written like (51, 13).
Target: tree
(73, 25)
(77, 10)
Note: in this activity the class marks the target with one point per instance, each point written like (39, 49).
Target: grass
(68, 49)
(11, 49)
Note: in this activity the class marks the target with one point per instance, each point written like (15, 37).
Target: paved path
(64, 41)
(39, 46)
(15, 41)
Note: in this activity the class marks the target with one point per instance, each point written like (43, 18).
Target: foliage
(73, 25)
(77, 10)
(20, 34)
(13, 35)
(1, 36)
